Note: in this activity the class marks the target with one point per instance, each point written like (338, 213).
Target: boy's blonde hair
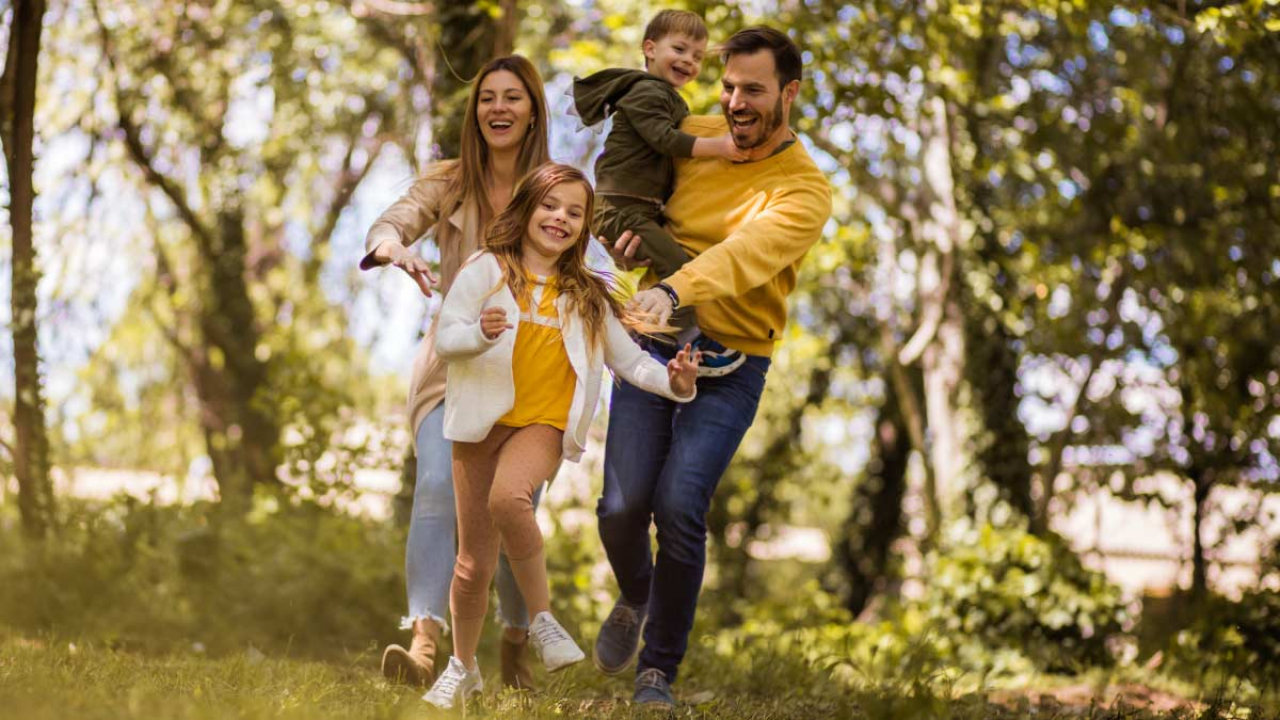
(672, 22)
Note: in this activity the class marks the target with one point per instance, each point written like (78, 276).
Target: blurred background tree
(29, 451)
(1051, 274)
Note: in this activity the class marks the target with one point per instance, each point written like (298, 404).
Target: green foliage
(1233, 642)
(1004, 589)
(152, 612)
(291, 576)
(894, 653)
(997, 604)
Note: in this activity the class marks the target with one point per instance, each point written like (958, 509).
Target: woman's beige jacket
(457, 234)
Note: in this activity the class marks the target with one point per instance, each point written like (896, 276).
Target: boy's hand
(493, 322)
(623, 251)
(726, 148)
(682, 371)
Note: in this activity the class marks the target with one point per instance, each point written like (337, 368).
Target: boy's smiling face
(676, 58)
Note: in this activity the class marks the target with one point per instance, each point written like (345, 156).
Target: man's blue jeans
(663, 461)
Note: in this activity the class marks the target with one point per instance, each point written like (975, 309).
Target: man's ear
(791, 91)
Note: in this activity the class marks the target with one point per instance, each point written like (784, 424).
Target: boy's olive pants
(615, 214)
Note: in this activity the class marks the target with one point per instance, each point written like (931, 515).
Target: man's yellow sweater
(748, 226)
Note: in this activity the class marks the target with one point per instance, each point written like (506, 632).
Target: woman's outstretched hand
(415, 266)
(682, 371)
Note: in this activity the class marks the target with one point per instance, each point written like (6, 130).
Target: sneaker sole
(399, 667)
(707, 371)
(595, 655)
(473, 692)
(568, 663)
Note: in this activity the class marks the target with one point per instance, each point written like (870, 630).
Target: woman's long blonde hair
(468, 173)
(586, 291)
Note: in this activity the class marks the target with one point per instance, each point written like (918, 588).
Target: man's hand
(623, 251)
(493, 322)
(682, 371)
(416, 267)
(653, 302)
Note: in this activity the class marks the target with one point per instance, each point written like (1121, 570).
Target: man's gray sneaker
(652, 689)
(618, 643)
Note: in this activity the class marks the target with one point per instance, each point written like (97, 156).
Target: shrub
(1233, 642)
(991, 589)
(291, 576)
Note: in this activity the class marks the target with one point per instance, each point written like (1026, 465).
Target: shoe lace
(549, 633)
(652, 677)
(448, 682)
(624, 616)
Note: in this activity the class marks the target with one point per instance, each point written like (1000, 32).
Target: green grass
(48, 678)
(134, 611)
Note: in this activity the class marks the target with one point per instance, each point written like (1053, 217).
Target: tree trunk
(991, 369)
(241, 427)
(938, 342)
(1202, 484)
(17, 113)
(943, 365)
(875, 517)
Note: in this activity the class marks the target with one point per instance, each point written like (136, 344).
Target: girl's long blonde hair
(586, 291)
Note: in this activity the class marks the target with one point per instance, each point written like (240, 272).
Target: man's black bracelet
(671, 293)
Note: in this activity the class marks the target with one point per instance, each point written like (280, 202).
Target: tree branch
(931, 315)
(344, 189)
(137, 150)
(882, 190)
(164, 276)
(418, 59)
(1058, 443)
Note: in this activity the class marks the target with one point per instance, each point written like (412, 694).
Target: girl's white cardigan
(480, 389)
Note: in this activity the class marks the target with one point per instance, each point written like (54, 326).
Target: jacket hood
(596, 96)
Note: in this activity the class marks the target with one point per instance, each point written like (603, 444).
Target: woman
(504, 135)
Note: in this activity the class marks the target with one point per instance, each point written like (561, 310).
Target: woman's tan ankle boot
(417, 665)
(516, 672)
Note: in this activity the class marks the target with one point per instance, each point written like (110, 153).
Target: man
(748, 226)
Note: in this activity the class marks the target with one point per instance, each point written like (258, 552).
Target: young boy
(636, 171)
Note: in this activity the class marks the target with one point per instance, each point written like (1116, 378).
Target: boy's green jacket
(637, 157)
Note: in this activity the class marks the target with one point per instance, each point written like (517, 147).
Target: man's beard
(767, 125)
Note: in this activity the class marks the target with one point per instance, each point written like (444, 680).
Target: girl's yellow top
(540, 367)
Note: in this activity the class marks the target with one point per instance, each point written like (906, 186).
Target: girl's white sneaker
(455, 684)
(553, 644)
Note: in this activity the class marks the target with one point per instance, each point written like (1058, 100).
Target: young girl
(521, 396)
(503, 137)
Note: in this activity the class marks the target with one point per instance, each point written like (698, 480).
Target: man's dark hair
(786, 56)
